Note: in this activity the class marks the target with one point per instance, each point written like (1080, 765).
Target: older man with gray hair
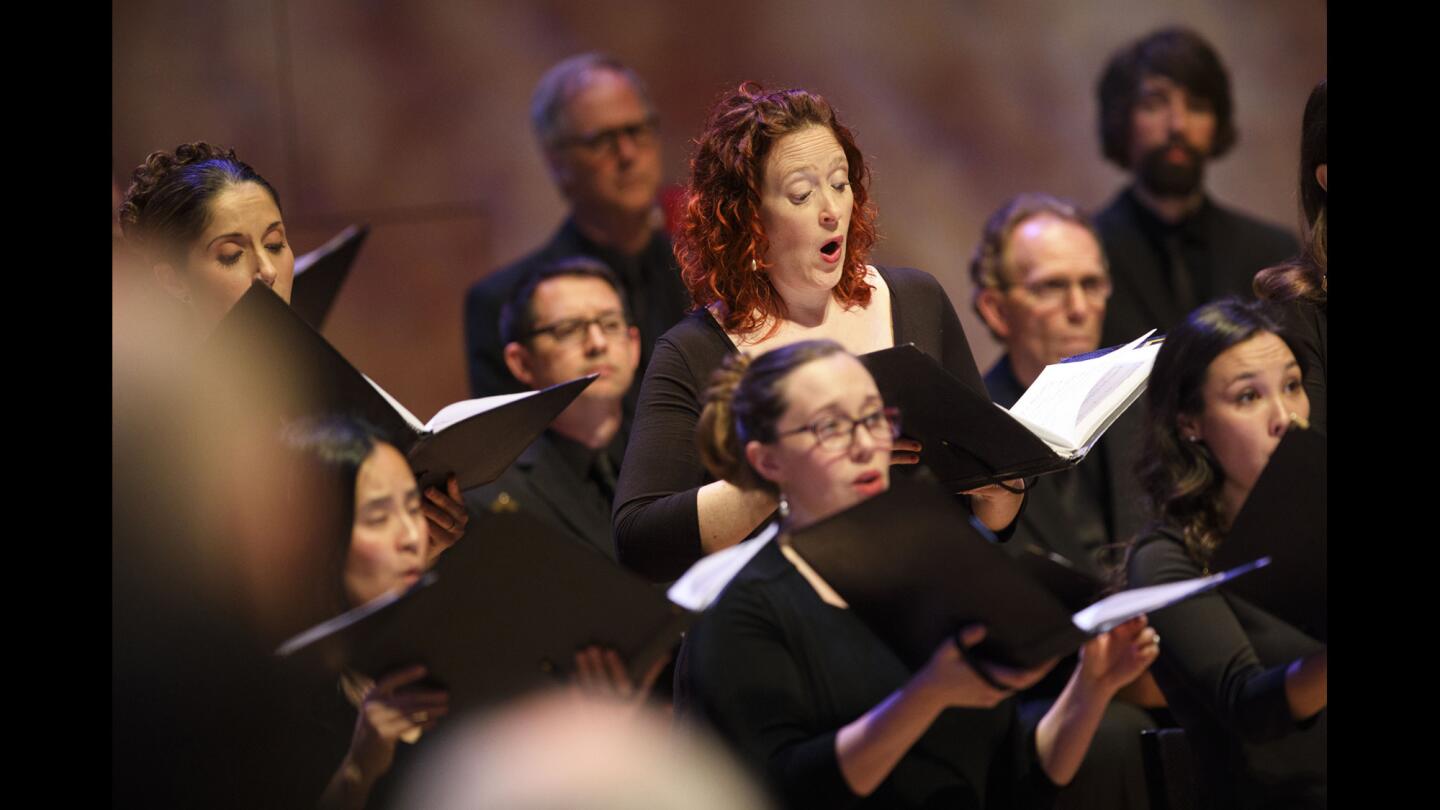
(1041, 284)
(599, 134)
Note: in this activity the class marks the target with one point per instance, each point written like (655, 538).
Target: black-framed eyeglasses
(613, 324)
(641, 133)
(838, 432)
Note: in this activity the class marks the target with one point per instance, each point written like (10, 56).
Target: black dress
(777, 673)
(1222, 668)
(657, 525)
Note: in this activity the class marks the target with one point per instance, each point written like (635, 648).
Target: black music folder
(264, 344)
(968, 441)
(503, 610)
(1285, 517)
(320, 273)
(911, 565)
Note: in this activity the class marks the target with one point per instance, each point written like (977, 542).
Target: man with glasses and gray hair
(599, 134)
(567, 320)
(1041, 284)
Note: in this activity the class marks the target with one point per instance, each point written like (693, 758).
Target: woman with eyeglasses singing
(798, 684)
(776, 230)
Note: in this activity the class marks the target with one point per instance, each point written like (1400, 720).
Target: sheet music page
(466, 408)
(1071, 400)
(706, 580)
(1119, 608)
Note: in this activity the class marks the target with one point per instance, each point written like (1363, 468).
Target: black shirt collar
(1157, 228)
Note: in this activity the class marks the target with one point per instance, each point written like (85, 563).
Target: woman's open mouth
(869, 483)
(830, 251)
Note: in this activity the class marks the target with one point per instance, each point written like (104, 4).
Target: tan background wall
(412, 117)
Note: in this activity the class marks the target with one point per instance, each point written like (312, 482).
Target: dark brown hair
(1178, 54)
(744, 402)
(326, 455)
(168, 203)
(1181, 478)
(1304, 277)
(721, 243)
(517, 316)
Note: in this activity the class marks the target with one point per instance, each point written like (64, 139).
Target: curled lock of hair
(717, 437)
(151, 175)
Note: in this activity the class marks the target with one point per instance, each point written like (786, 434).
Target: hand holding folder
(920, 580)
(271, 348)
(968, 441)
(502, 612)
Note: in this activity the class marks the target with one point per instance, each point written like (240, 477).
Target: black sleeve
(751, 689)
(1208, 651)
(1303, 324)
(1021, 773)
(657, 524)
(483, 353)
(956, 357)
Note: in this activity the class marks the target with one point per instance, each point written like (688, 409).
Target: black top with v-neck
(657, 524)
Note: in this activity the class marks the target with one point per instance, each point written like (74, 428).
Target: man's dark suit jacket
(1051, 516)
(653, 293)
(546, 481)
(1223, 250)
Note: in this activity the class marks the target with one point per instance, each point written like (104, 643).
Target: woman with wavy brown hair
(1250, 690)
(1299, 286)
(777, 228)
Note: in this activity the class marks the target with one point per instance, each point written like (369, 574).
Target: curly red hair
(720, 233)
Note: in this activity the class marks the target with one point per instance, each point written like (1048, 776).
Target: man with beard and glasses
(1165, 109)
(566, 320)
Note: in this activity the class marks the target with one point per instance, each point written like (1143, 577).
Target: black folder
(503, 611)
(263, 345)
(1285, 517)
(320, 273)
(966, 440)
(913, 568)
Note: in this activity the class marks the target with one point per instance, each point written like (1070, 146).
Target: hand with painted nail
(393, 709)
(600, 674)
(445, 516)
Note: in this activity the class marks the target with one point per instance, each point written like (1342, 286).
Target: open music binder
(1285, 518)
(911, 565)
(501, 612)
(968, 441)
(320, 273)
(265, 344)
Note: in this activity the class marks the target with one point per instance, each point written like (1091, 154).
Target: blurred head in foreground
(554, 751)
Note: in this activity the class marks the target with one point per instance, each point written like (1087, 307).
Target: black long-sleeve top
(1222, 668)
(777, 672)
(657, 524)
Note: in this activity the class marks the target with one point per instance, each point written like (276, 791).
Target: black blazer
(542, 482)
(1234, 248)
